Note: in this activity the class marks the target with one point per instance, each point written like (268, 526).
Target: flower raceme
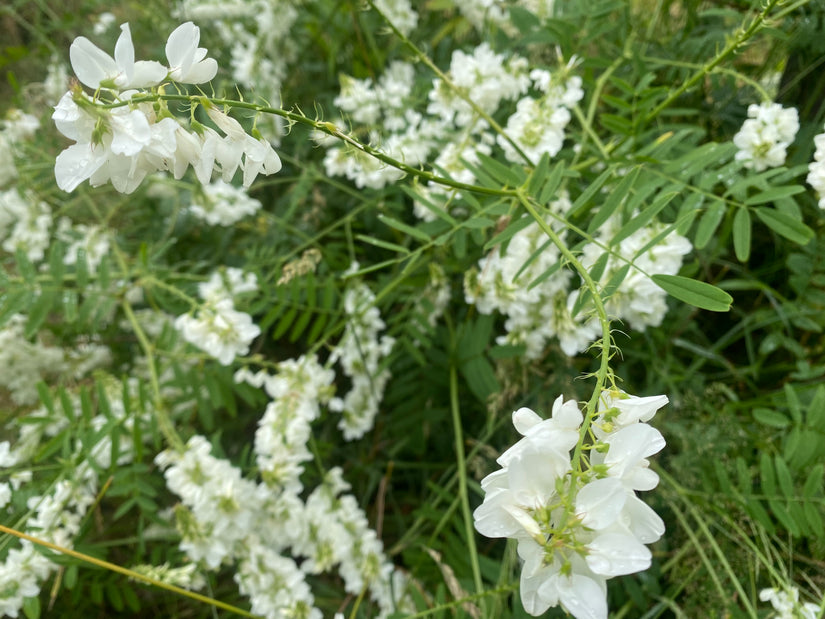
(123, 143)
(576, 526)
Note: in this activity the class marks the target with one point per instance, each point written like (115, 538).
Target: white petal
(533, 475)
(524, 419)
(201, 72)
(616, 554)
(231, 127)
(130, 133)
(583, 597)
(567, 413)
(91, 64)
(493, 520)
(630, 445)
(536, 596)
(601, 502)
(76, 164)
(147, 73)
(181, 46)
(638, 409)
(642, 520)
(641, 478)
(125, 53)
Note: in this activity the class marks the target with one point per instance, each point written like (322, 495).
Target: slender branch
(127, 572)
(604, 368)
(323, 126)
(738, 40)
(461, 465)
(164, 422)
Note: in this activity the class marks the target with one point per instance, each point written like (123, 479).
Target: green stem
(164, 422)
(737, 41)
(127, 572)
(763, 94)
(323, 126)
(461, 463)
(604, 368)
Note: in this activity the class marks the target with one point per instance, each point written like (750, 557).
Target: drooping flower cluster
(127, 140)
(816, 169)
(219, 329)
(225, 519)
(360, 352)
(785, 602)
(576, 526)
(765, 136)
(298, 390)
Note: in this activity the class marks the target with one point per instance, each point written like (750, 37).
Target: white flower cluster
(451, 129)
(538, 125)
(489, 78)
(227, 519)
(360, 352)
(786, 603)
(535, 314)
(25, 361)
(223, 204)
(816, 169)
(337, 533)
(481, 13)
(123, 144)
(526, 284)
(219, 329)
(400, 13)
(297, 391)
(637, 301)
(92, 241)
(435, 296)
(576, 527)
(765, 136)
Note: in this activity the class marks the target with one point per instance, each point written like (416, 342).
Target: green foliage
(742, 493)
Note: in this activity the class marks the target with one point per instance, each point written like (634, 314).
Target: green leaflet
(699, 294)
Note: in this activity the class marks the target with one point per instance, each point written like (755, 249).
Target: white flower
(226, 284)
(95, 68)
(223, 204)
(574, 528)
(786, 602)
(620, 410)
(219, 330)
(188, 62)
(765, 135)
